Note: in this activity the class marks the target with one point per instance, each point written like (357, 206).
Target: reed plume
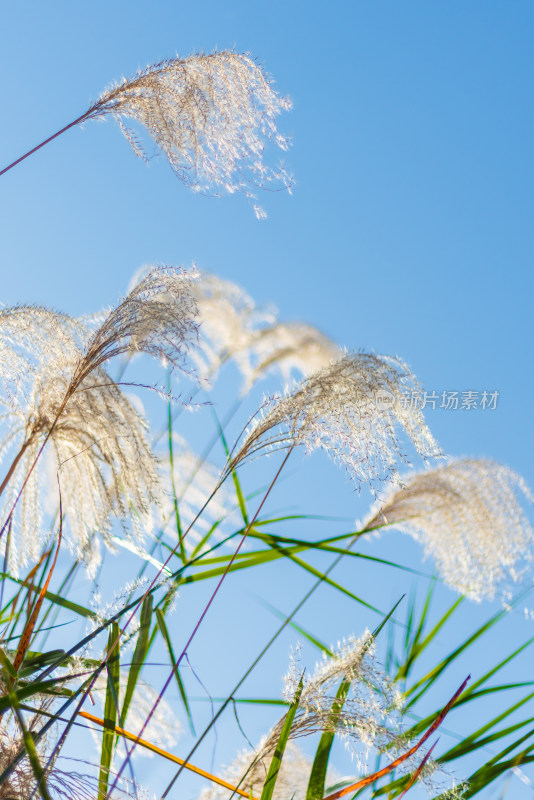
(351, 409)
(291, 782)
(468, 517)
(371, 700)
(229, 320)
(210, 115)
(288, 347)
(57, 392)
(361, 719)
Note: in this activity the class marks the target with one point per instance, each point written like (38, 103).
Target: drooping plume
(291, 782)
(468, 517)
(229, 321)
(352, 409)
(368, 717)
(288, 347)
(233, 327)
(211, 115)
(57, 393)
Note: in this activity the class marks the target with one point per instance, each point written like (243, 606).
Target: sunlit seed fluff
(164, 727)
(468, 517)
(55, 385)
(291, 783)
(228, 323)
(369, 716)
(20, 784)
(158, 316)
(288, 347)
(353, 410)
(211, 115)
(370, 704)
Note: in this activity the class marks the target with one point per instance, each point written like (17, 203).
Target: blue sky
(409, 228)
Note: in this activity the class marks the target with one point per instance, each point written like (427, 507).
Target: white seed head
(352, 409)
(288, 347)
(228, 322)
(468, 517)
(55, 385)
(158, 316)
(211, 115)
(291, 782)
(371, 702)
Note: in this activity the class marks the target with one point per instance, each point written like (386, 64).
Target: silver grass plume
(291, 782)
(163, 728)
(351, 409)
(370, 704)
(211, 115)
(233, 326)
(468, 517)
(369, 718)
(229, 321)
(21, 783)
(288, 347)
(57, 392)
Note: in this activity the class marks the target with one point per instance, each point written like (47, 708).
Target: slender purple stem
(199, 621)
(50, 138)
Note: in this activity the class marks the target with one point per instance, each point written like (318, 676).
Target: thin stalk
(201, 618)
(169, 756)
(36, 459)
(173, 484)
(134, 606)
(256, 662)
(46, 141)
(14, 464)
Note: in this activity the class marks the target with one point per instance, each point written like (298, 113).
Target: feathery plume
(157, 317)
(289, 347)
(21, 783)
(228, 322)
(467, 515)
(371, 702)
(291, 782)
(211, 115)
(350, 696)
(351, 409)
(57, 392)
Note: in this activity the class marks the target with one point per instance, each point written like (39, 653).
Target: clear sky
(409, 231)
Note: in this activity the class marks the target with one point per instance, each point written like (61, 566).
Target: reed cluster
(85, 473)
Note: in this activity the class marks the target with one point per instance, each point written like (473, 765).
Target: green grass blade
(110, 709)
(139, 656)
(276, 763)
(31, 750)
(316, 784)
(54, 598)
(167, 639)
(237, 486)
(179, 531)
(307, 635)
